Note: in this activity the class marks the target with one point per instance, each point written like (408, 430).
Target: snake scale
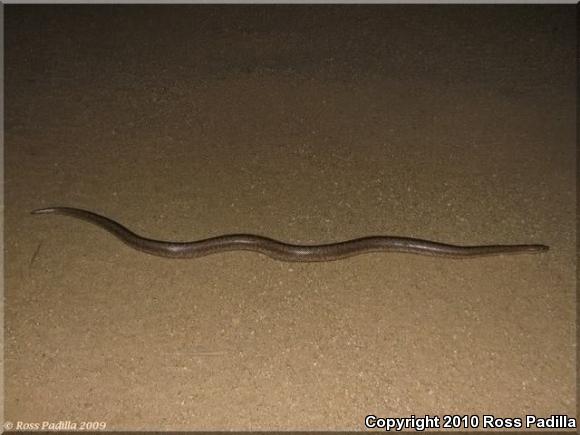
(288, 252)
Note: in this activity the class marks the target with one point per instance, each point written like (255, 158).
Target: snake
(285, 251)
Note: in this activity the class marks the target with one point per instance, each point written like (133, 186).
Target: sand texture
(307, 124)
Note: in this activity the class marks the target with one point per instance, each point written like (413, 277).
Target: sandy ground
(306, 124)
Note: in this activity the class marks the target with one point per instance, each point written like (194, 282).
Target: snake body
(285, 251)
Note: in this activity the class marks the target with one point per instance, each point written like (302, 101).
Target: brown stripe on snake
(285, 251)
